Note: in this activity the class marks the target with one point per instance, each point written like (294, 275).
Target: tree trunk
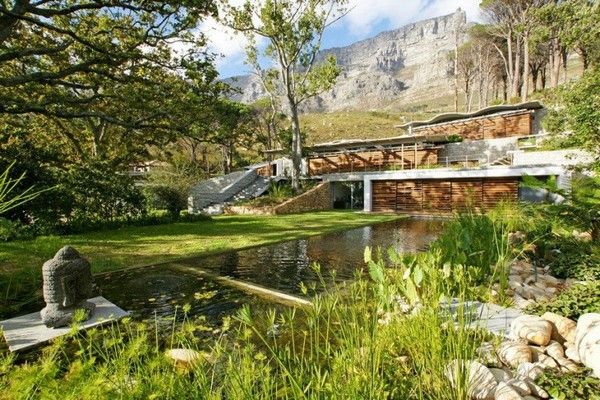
(584, 59)
(564, 55)
(514, 92)
(456, 71)
(510, 59)
(525, 87)
(543, 77)
(296, 147)
(534, 77)
(596, 230)
(556, 60)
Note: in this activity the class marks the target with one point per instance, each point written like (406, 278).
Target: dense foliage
(573, 302)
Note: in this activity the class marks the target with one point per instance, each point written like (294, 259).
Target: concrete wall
(316, 199)
(554, 157)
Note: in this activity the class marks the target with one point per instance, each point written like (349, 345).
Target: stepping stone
(28, 331)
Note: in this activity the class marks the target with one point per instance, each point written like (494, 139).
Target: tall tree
(294, 31)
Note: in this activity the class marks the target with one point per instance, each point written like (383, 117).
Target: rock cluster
(528, 284)
(509, 371)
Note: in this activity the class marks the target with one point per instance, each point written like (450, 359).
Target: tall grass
(385, 335)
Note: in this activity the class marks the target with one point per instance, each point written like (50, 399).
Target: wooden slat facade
(442, 196)
(372, 161)
(492, 127)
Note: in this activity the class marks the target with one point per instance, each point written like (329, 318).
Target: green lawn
(21, 261)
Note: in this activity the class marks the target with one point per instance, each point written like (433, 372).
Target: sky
(366, 19)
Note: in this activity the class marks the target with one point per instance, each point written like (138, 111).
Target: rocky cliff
(402, 66)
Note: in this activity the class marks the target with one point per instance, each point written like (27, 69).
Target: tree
(294, 31)
(467, 71)
(580, 113)
(513, 20)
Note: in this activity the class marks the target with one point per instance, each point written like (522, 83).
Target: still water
(160, 290)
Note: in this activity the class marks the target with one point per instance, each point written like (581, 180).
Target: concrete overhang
(447, 173)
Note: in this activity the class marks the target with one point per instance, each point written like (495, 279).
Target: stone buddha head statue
(67, 286)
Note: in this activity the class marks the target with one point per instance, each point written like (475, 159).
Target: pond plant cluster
(384, 335)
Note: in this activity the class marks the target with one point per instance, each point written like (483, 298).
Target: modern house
(440, 165)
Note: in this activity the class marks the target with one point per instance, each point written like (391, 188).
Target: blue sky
(366, 19)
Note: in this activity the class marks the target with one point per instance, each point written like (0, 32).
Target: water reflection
(161, 290)
(284, 266)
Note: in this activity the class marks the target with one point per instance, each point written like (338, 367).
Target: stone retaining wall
(316, 199)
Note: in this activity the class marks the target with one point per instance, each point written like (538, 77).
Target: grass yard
(21, 261)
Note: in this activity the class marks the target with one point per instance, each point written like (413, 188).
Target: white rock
(482, 384)
(183, 357)
(521, 303)
(506, 392)
(520, 386)
(514, 353)
(566, 364)
(555, 350)
(487, 355)
(535, 329)
(587, 341)
(501, 375)
(536, 390)
(572, 354)
(530, 370)
(563, 329)
(547, 361)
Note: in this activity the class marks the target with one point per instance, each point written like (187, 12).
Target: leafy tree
(578, 113)
(294, 31)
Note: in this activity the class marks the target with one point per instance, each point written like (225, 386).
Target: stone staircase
(212, 195)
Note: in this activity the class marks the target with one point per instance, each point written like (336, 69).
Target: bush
(571, 258)
(166, 198)
(578, 385)
(573, 302)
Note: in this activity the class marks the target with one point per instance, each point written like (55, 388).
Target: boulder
(514, 353)
(563, 329)
(487, 355)
(506, 392)
(482, 383)
(535, 329)
(520, 386)
(501, 375)
(536, 390)
(530, 370)
(555, 350)
(587, 341)
(572, 354)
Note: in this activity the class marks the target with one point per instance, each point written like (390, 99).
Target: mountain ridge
(399, 66)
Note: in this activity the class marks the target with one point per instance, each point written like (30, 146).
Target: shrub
(571, 258)
(166, 198)
(478, 243)
(573, 302)
(578, 385)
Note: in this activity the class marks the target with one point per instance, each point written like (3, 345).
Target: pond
(160, 290)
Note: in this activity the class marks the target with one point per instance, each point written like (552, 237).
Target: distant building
(446, 164)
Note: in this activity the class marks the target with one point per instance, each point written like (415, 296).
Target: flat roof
(450, 117)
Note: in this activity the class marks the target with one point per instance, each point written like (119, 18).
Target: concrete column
(367, 195)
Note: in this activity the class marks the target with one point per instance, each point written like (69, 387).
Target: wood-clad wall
(372, 161)
(492, 127)
(442, 195)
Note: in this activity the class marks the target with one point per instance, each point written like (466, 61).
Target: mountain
(394, 68)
